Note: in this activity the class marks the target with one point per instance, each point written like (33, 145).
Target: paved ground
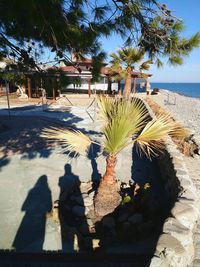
(31, 171)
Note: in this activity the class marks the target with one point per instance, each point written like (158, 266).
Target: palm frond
(151, 139)
(146, 65)
(179, 131)
(106, 108)
(72, 141)
(124, 118)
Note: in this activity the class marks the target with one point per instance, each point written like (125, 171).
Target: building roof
(87, 66)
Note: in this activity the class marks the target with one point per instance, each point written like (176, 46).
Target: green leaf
(126, 200)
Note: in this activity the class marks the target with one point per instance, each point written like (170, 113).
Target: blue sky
(189, 11)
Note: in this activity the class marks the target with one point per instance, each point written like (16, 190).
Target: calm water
(188, 89)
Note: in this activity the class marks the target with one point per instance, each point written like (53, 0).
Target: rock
(85, 201)
(91, 207)
(123, 217)
(136, 218)
(176, 229)
(55, 214)
(95, 243)
(167, 241)
(185, 181)
(158, 262)
(108, 222)
(185, 200)
(79, 210)
(90, 223)
(88, 201)
(189, 194)
(177, 160)
(91, 194)
(185, 213)
(87, 210)
(23, 96)
(84, 195)
(92, 230)
(85, 187)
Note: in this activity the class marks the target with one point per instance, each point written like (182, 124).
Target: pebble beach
(183, 108)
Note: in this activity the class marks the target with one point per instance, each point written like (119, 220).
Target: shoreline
(178, 93)
(186, 89)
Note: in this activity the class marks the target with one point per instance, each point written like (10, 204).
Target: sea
(187, 89)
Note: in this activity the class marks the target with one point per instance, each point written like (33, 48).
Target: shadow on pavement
(31, 232)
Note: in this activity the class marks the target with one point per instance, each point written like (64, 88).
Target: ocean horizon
(187, 89)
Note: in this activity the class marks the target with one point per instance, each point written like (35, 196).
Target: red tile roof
(104, 70)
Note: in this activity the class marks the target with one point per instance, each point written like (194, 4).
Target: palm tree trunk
(109, 89)
(119, 87)
(108, 198)
(29, 87)
(127, 86)
(134, 86)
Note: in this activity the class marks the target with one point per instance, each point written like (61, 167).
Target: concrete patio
(31, 172)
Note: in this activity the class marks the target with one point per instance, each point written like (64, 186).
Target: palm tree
(125, 122)
(124, 62)
(117, 74)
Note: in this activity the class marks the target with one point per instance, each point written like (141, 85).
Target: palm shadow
(22, 134)
(31, 232)
(92, 155)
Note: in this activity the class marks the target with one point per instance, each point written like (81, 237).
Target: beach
(184, 109)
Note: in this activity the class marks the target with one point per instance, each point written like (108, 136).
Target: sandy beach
(184, 109)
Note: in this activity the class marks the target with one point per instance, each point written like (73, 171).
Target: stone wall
(175, 246)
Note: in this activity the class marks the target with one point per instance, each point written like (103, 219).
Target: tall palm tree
(117, 74)
(124, 62)
(125, 122)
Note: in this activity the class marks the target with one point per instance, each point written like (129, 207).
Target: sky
(189, 11)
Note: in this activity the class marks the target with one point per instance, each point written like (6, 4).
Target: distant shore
(183, 108)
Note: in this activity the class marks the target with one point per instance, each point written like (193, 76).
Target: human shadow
(31, 232)
(72, 210)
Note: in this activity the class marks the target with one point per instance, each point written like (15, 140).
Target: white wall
(101, 85)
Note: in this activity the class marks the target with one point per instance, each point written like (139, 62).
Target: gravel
(182, 108)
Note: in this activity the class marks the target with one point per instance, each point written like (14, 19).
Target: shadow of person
(31, 232)
(73, 222)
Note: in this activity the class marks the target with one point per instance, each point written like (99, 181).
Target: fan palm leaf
(151, 138)
(72, 141)
(146, 65)
(125, 119)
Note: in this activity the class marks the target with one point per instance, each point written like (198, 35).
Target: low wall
(175, 246)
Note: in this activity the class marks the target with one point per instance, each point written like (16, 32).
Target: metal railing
(171, 99)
